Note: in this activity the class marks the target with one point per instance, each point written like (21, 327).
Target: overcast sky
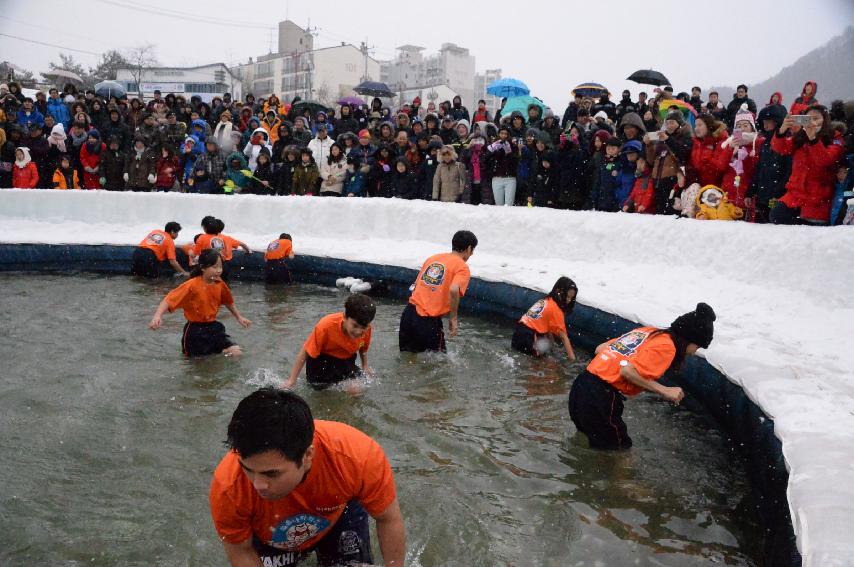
(551, 45)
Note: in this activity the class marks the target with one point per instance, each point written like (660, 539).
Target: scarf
(55, 140)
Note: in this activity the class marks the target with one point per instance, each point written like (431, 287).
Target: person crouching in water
(156, 247)
(547, 319)
(329, 353)
(628, 365)
(201, 297)
(276, 269)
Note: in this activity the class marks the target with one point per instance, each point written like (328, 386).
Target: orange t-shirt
(222, 242)
(328, 337)
(651, 357)
(545, 317)
(191, 255)
(199, 300)
(161, 244)
(348, 465)
(432, 294)
(279, 249)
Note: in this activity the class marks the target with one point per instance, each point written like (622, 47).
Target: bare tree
(140, 59)
(324, 94)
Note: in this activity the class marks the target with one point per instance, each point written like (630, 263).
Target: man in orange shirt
(158, 246)
(291, 486)
(275, 260)
(441, 283)
(628, 365)
(329, 353)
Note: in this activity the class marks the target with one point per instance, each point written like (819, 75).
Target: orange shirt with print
(279, 249)
(328, 337)
(161, 244)
(199, 300)
(545, 317)
(188, 249)
(651, 357)
(347, 465)
(432, 294)
(222, 242)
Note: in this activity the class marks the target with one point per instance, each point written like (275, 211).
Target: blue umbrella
(521, 103)
(507, 88)
(590, 89)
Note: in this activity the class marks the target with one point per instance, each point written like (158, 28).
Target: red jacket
(87, 159)
(643, 195)
(736, 193)
(167, 172)
(803, 102)
(706, 158)
(26, 177)
(811, 183)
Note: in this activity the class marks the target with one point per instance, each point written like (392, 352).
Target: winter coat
(803, 102)
(139, 166)
(235, 180)
(7, 162)
(25, 120)
(424, 177)
(572, 187)
(272, 129)
(626, 179)
(112, 167)
(706, 157)
(173, 136)
(404, 185)
(62, 179)
(92, 160)
(543, 185)
(733, 183)
(667, 157)
(263, 172)
(56, 107)
(606, 106)
(460, 113)
(354, 184)
(569, 115)
(724, 210)
(625, 106)
(811, 183)
(481, 159)
(449, 182)
(208, 170)
(40, 154)
(285, 177)
(504, 164)
(642, 195)
(252, 151)
(320, 149)
(347, 124)
(222, 134)
(118, 129)
(606, 183)
(25, 176)
(365, 154)
(305, 179)
(734, 106)
(770, 175)
(337, 172)
(168, 170)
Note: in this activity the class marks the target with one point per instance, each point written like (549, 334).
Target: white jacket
(252, 152)
(337, 172)
(222, 135)
(320, 149)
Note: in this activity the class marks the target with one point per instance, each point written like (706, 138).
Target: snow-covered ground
(782, 294)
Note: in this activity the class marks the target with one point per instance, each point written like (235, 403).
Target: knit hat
(677, 116)
(416, 100)
(697, 326)
(364, 134)
(745, 115)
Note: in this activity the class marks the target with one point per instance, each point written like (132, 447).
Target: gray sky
(551, 45)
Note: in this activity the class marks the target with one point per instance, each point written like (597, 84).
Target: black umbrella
(648, 77)
(372, 88)
(106, 89)
(300, 107)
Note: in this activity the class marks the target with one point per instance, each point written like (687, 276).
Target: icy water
(109, 438)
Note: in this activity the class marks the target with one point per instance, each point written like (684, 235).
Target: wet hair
(211, 225)
(560, 293)
(207, 259)
(462, 240)
(271, 419)
(360, 308)
(172, 226)
(208, 219)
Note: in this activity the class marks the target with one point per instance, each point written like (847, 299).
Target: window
(264, 69)
(265, 86)
(202, 88)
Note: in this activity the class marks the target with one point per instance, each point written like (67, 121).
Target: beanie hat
(677, 116)
(363, 133)
(745, 115)
(416, 100)
(697, 326)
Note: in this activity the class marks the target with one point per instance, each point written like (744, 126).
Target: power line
(56, 30)
(194, 18)
(61, 47)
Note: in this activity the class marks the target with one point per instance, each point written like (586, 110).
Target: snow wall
(776, 376)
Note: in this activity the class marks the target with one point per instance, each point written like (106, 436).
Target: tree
(10, 72)
(67, 63)
(105, 70)
(139, 59)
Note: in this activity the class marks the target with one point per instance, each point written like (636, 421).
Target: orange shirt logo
(217, 243)
(434, 274)
(273, 246)
(629, 343)
(155, 239)
(536, 310)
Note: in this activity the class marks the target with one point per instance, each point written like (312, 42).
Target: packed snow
(781, 293)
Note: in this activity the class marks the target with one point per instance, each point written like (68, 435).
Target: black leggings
(596, 409)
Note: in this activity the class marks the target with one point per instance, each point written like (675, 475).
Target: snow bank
(781, 294)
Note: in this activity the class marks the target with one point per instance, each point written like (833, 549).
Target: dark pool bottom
(748, 428)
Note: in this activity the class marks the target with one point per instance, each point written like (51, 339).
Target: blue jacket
(25, 121)
(627, 172)
(59, 111)
(842, 192)
(354, 183)
(606, 184)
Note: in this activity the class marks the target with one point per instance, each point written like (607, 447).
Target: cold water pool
(110, 437)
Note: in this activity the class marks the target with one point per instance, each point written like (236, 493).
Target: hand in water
(155, 323)
(674, 395)
(244, 322)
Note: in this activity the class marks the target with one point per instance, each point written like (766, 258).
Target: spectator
(715, 107)
(90, 159)
(7, 159)
(56, 107)
(139, 174)
(235, 180)
(403, 181)
(695, 99)
(167, 170)
(258, 141)
(625, 106)
(605, 105)
(346, 122)
(570, 115)
(173, 132)
(504, 159)
(450, 180)
(706, 150)
(115, 126)
(543, 185)
(739, 158)
(806, 100)
(772, 169)
(642, 198)
(25, 174)
(631, 127)
(458, 111)
(606, 177)
(28, 115)
(666, 155)
(333, 172)
(65, 176)
(320, 145)
(112, 166)
(740, 97)
(306, 174)
(39, 152)
(262, 181)
(481, 114)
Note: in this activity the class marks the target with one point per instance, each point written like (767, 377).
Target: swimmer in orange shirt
(546, 319)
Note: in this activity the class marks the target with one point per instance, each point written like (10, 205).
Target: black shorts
(325, 370)
(348, 541)
(144, 263)
(419, 334)
(596, 409)
(277, 272)
(524, 339)
(200, 339)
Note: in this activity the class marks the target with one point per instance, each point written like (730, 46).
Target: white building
(206, 81)
(481, 81)
(324, 74)
(453, 66)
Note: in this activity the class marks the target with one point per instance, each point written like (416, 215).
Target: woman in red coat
(807, 99)
(816, 152)
(90, 159)
(706, 151)
(25, 174)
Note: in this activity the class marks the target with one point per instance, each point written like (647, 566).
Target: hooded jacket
(90, 159)
(25, 174)
(320, 149)
(449, 181)
(119, 129)
(251, 151)
(56, 107)
(235, 180)
(336, 171)
(667, 157)
(631, 119)
(706, 157)
(772, 170)
(803, 102)
(112, 167)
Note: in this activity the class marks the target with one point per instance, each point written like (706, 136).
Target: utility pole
(365, 51)
(309, 64)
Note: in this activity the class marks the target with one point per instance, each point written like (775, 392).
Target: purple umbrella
(352, 101)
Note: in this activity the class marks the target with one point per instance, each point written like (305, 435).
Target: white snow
(784, 324)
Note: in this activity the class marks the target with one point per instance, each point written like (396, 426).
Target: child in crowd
(262, 181)
(354, 183)
(306, 174)
(168, 169)
(403, 182)
(112, 166)
(275, 260)
(542, 186)
(65, 176)
(25, 174)
(201, 297)
(842, 192)
(329, 353)
(629, 155)
(547, 319)
(427, 171)
(642, 197)
(606, 179)
(285, 171)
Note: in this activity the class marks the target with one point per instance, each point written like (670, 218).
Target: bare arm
(672, 394)
(178, 269)
(157, 319)
(245, 248)
(241, 554)
(363, 356)
(297, 368)
(453, 324)
(567, 345)
(392, 535)
(244, 322)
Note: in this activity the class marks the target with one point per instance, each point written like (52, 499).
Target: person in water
(157, 247)
(213, 238)
(546, 319)
(329, 353)
(278, 252)
(291, 485)
(201, 297)
(628, 365)
(437, 291)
